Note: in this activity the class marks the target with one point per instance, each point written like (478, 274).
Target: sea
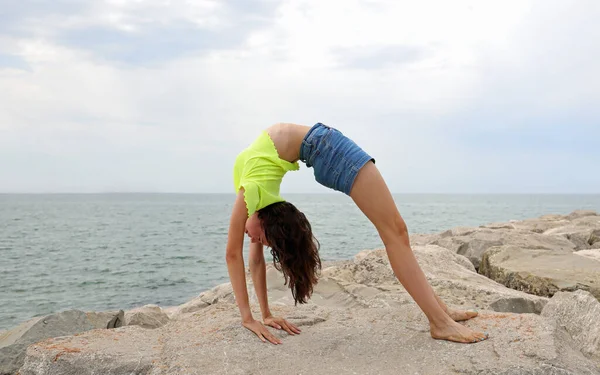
(100, 252)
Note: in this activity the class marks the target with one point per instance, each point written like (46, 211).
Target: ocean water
(119, 251)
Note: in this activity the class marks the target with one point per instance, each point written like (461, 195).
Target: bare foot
(456, 315)
(457, 333)
(460, 315)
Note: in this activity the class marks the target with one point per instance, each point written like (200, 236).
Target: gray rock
(458, 231)
(107, 319)
(498, 226)
(541, 272)
(518, 305)
(473, 245)
(14, 342)
(582, 236)
(587, 221)
(149, 316)
(539, 225)
(120, 351)
(593, 254)
(579, 314)
(369, 281)
(581, 213)
(388, 340)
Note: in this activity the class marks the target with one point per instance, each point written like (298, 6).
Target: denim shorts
(335, 158)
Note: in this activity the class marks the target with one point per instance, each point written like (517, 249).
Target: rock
(582, 236)
(106, 320)
(220, 293)
(422, 239)
(579, 314)
(581, 213)
(369, 281)
(388, 340)
(587, 221)
(458, 231)
(593, 254)
(517, 305)
(474, 244)
(541, 272)
(189, 307)
(540, 225)
(125, 350)
(498, 226)
(149, 316)
(14, 342)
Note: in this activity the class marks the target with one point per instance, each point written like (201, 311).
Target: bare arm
(237, 274)
(259, 277)
(235, 257)
(258, 269)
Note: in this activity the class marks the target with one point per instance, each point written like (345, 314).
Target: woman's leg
(372, 196)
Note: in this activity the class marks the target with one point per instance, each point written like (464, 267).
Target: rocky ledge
(536, 290)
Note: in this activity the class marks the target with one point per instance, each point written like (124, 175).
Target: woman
(268, 220)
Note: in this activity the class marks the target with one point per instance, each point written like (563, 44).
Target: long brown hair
(294, 249)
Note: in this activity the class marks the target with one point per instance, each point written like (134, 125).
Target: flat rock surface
(362, 341)
(474, 244)
(541, 272)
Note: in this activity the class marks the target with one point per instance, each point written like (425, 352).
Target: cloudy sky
(160, 95)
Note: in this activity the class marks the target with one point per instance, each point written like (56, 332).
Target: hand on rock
(281, 323)
(261, 331)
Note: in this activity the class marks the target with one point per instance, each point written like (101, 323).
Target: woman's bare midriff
(288, 139)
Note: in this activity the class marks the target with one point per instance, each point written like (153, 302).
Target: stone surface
(107, 319)
(579, 314)
(593, 254)
(541, 272)
(14, 342)
(474, 244)
(369, 281)
(391, 340)
(583, 236)
(581, 213)
(149, 316)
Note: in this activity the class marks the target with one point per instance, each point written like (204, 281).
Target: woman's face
(254, 230)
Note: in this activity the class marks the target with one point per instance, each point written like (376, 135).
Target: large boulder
(383, 340)
(106, 319)
(535, 225)
(579, 314)
(14, 342)
(370, 281)
(149, 316)
(541, 272)
(583, 236)
(474, 244)
(577, 214)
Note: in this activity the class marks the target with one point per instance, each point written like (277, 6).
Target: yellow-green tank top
(259, 170)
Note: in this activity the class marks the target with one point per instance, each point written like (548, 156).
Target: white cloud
(177, 125)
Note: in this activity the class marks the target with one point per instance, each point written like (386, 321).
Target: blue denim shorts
(335, 158)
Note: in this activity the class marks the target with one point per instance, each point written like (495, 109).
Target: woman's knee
(396, 231)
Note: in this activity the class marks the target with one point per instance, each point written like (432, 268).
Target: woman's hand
(261, 331)
(281, 323)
